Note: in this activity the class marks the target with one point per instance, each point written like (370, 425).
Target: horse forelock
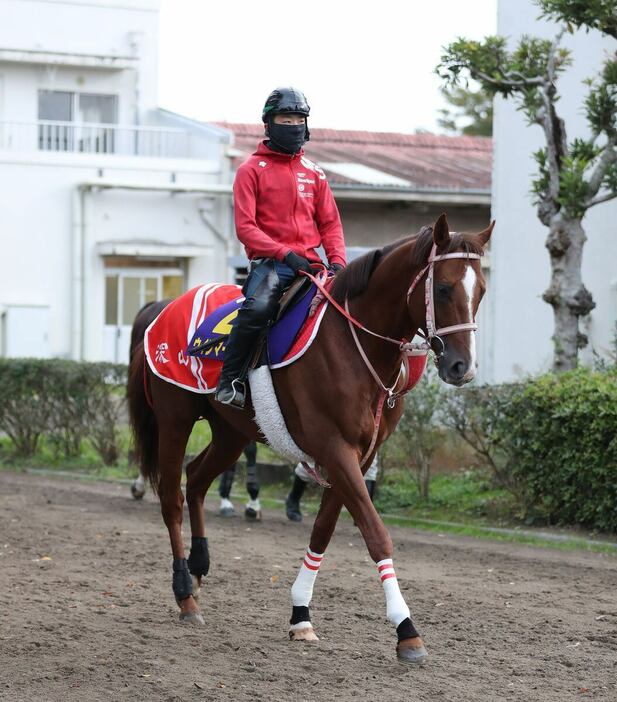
(353, 280)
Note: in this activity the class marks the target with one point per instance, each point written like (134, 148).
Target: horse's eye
(443, 291)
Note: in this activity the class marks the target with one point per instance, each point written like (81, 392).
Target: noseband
(433, 334)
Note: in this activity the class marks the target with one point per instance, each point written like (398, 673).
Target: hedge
(552, 441)
(560, 434)
(64, 401)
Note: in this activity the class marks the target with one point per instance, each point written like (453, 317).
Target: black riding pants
(266, 282)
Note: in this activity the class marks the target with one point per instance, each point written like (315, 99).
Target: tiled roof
(387, 160)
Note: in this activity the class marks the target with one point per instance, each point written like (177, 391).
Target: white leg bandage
(396, 609)
(302, 589)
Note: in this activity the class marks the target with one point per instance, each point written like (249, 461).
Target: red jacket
(283, 203)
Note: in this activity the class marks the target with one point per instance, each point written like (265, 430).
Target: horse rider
(284, 210)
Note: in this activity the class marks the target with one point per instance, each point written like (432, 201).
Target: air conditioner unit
(24, 331)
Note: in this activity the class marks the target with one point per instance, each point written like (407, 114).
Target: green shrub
(65, 401)
(418, 433)
(104, 407)
(23, 410)
(560, 433)
(550, 441)
(476, 414)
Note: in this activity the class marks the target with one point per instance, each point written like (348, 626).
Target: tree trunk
(424, 476)
(566, 293)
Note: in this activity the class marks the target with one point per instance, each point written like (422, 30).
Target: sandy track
(98, 620)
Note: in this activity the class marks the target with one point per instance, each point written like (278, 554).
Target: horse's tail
(143, 420)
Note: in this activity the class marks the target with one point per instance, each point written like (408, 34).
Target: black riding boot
(263, 290)
(231, 389)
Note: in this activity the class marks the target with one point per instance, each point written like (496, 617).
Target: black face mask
(287, 138)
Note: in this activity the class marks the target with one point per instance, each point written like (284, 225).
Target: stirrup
(234, 395)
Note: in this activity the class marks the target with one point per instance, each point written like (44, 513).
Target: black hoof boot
(252, 515)
(292, 508)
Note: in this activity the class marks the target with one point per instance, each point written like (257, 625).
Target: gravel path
(87, 613)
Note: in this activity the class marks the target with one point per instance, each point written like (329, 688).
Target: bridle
(433, 334)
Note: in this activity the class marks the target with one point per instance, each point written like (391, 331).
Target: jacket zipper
(295, 187)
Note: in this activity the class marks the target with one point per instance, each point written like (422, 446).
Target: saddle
(211, 336)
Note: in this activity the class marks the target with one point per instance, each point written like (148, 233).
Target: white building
(106, 202)
(521, 323)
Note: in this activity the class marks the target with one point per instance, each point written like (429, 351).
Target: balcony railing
(91, 138)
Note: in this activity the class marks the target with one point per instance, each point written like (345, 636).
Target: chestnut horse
(332, 401)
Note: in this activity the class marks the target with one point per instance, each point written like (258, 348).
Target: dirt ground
(87, 613)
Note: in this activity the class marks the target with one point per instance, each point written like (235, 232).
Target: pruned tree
(573, 176)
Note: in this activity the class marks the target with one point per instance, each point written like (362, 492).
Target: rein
(432, 332)
(406, 347)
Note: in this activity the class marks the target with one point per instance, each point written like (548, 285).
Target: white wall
(101, 28)
(521, 322)
(38, 224)
(23, 82)
(43, 220)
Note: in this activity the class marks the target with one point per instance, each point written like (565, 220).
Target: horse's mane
(353, 280)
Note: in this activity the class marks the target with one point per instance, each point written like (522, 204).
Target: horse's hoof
(305, 634)
(137, 493)
(192, 618)
(196, 587)
(227, 512)
(253, 515)
(411, 651)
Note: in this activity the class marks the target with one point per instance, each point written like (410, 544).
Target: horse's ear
(441, 232)
(485, 235)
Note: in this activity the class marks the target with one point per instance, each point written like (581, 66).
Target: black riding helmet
(286, 100)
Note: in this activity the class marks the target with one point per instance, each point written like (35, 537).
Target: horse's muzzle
(455, 370)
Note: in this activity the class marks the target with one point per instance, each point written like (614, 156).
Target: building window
(56, 105)
(74, 122)
(100, 109)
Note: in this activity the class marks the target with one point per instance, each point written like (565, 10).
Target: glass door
(126, 292)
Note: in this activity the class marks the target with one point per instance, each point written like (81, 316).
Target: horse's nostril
(457, 369)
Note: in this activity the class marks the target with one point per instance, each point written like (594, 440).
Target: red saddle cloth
(168, 337)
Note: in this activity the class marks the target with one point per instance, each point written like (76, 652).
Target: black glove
(336, 267)
(297, 263)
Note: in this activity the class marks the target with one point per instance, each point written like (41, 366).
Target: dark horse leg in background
(252, 511)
